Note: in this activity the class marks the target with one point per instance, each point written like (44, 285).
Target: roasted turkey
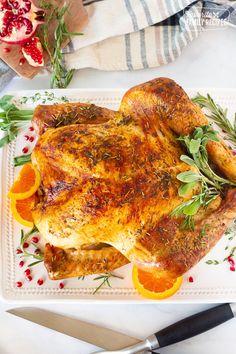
(108, 184)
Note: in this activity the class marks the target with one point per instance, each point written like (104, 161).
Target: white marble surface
(207, 62)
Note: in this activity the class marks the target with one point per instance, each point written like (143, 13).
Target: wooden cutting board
(76, 18)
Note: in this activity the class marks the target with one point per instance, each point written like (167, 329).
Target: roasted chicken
(108, 184)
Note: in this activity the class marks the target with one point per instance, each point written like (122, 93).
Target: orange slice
(22, 210)
(26, 184)
(152, 286)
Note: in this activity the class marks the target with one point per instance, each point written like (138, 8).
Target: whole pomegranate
(19, 20)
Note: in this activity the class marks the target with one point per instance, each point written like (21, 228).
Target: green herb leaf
(188, 176)
(194, 146)
(186, 188)
(198, 133)
(187, 160)
(21, 160)
(6, 104)
(192, 208)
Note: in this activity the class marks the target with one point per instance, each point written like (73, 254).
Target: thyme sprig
(211, 184)
(44, 97)
(25, 254)
(218, 115)
(105, 280)
(12, 119)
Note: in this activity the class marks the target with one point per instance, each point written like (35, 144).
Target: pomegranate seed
(61, 285)
(232, 268)
(27, 272)
(37, 251)
(18, 251)
(25, 150)
(26, 137)
(35, 239)
(31, 139)
(19, 284)
(190, 279)
(25, 245)
(40, 282)
(6, 50)
(231, 261)
(223, 131)
(234, 152)
(21, 264)
(22, 61)
(31, 129)
(29, 278)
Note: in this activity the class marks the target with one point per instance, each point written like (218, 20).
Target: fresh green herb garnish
(44, 97)
(61, 77)
(218, 115)
(44, 4)
(210, 183)
(212, 262)
(21, 160)
(12, 119)
(105, 280)
(25, 254)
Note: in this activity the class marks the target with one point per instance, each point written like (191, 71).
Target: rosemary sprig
(21, 160)
(12, 119)
(61, 77)
(105, 280)
(211, 184)
(25, 254)
(218, 115)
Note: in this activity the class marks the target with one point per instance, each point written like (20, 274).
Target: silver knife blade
(100, 336)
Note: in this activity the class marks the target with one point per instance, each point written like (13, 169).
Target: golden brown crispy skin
(57, 115)
(115, 181)
(71, 262)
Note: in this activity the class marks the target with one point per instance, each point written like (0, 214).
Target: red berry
(18, 251)
(25, 150)
(37, 251)
(190, 279)
(232, 268)
(31, 139)
(6, 50)
(31, 129)
(27, 271)
(22, 61)
(19, 284)
(29, 278)
(21, 264)
(61, 285)
(25, 245)
(26, 137)
(40, 282)
(35, 239)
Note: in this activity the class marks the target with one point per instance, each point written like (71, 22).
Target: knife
(184, 329)
(101, 337)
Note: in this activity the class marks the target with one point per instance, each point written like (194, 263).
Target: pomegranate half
(19, 20)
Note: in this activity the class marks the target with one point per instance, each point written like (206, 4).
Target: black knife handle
(194, 325)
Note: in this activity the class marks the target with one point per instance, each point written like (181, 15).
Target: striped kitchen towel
(137, 34)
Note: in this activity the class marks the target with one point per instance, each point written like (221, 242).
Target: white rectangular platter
(211, 283)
